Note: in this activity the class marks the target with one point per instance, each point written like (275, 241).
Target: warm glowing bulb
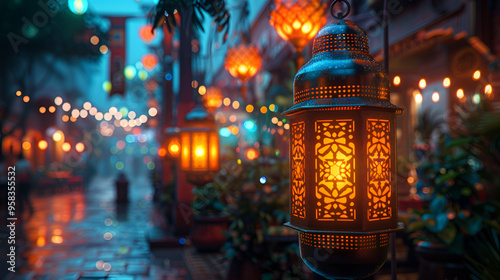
(80, 147)
(26, 99)
(422, 84)
(460, 93)
(488, 89)
(65, 118)
(435, 96)
(418, 98)
(397, 81)
(58, 101)
(66, 107)
(42, 145)
(202, 90)
(19, 93)
(52, 109)
(227, 101)
(42, 110)
(66, 146)
(249, 108)
(199, 151)
(131, 115)
(446, 82)
(263, 109)
(174, 148)
(476, 75)
(152, 111)
(236, 104)
(87, 105)
(103, 49)
(26, 145)
(57, 136)
(94, 40)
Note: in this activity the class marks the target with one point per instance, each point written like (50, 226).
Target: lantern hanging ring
(340, 16)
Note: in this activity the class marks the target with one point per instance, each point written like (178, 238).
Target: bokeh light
(66, 146)
(42, 145)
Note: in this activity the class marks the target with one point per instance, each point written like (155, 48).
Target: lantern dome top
(342, 74)
(199, 118)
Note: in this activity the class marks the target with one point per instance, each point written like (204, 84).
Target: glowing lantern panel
(299, 22)
(243, 61)
(199, 147)
(343, 196)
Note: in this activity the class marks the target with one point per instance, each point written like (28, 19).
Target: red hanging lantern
(299, 22)
(199, 147)
(243, 61)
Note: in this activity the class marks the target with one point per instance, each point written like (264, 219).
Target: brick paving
(85, 235)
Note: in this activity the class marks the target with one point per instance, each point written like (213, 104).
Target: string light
(397, 80)
(446, 82)
(476, 75)
(435, 97)
(422, 84)
(460, 93)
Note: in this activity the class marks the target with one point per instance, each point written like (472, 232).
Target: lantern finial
(339, 14)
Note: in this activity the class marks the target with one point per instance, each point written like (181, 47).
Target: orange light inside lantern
(243, 61)
(174, 147)
(300, 22)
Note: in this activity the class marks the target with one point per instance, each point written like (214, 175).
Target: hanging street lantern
(343, 193)
(298, 22)
(199, 147)
(212, 99)
(243, 62)
(171, 143)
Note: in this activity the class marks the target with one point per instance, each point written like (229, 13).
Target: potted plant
(455, 174)
(210, 217)
(259, 246)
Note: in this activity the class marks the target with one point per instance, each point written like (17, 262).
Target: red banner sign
(117, 47)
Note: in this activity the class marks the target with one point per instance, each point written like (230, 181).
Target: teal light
(224, 132)
(250, 126)
(78, 7)
(130, 138)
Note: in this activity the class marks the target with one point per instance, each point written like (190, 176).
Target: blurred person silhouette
(23, 185)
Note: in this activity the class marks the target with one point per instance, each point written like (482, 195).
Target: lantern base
(344, 255)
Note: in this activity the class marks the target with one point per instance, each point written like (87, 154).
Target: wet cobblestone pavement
(85, 235)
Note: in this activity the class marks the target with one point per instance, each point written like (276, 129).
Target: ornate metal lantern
(171, 142)
(199, 147)
(298, 23)
(243, 61)
(342, 156)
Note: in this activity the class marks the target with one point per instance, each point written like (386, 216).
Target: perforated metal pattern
(340, 42)
(344, 241)
(341, 91)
